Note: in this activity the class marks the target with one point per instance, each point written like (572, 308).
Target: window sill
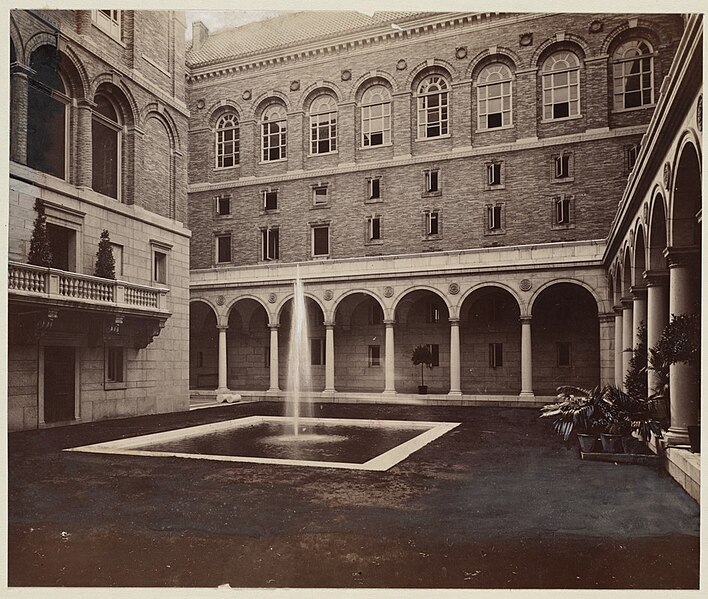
(222, 216)
(562, 180)
(263, 162)
(323, 154)
(494, 187)
(635, 109)
(222, 264)
(494, 232)
(323, 257)
(373, 201)
(557, 227)
(446, 136)
(320, 206)
(563, 119)
(226, 168)
(388, 145)
(435, 237)
(374, 242)
(114, 386)
(267, 212)
(431, 194)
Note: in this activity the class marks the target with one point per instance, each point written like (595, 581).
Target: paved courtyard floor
(499, 502)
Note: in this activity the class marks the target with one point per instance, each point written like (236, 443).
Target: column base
(389, 392)
(227, 396)
(526, 395)
(328, 394)
(455, 394)
(273, 392)
(676, 436)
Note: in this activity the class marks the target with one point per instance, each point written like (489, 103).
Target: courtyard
(497, 502)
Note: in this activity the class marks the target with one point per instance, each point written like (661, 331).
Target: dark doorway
(60, 239)
(59, 384)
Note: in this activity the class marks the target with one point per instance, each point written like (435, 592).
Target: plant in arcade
(423, 356)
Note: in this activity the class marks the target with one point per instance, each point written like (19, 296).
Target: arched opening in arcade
(317, 343)
(248, 346)
(203, 346)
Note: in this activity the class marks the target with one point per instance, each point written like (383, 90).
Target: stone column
(455, 388)
(329, 358)
(223, 383)
(639, 312)
(390, 383)
(19, 98)
(84, 144)
(526, 358)
(684, 379)
(607, 349)
(627, 335)
(618, 345)
(274, 387)
(657, 317)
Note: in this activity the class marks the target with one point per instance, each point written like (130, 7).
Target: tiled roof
(287, 30)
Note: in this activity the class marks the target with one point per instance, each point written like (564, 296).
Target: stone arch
(639, 264)
(503, 286)
(316, 89)
(601, 308)
(288, 298)
(625, 31)
(157, 175)
(248, 344)
(207, 302)
(349, 292)
(220, 107)
(79, 72)
(685, 202)
(657, 232)
(203, 344)
(501, 54)
(430, 67)
(16, 41)
(626, 271)
(157, 111)
(409, 290)
(115, 89)
(71, 69)
(372, 78)
(230, 305)
(568, 41)
(266, 99)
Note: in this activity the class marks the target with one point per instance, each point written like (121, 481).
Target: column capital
(454, 322)
(656, 278)
(617, 308)
(17, 68)
(682, 256)
(638, 291)
(389, 322)
(626, 301)
(525, 319)
(85, 103)
(328, 324)
(222, 327)
(273, 327)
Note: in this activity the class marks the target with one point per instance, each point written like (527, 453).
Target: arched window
(433, 101)
(494, 97)
(47, 114)
(375, 117)
(106, 141)
(633, 74)
(274, 136)
(561, 86)
(323, 125)
(227, 141)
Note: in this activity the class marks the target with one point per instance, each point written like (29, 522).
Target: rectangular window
(494, 218)
(494, 174)
(108, 21)
(562, 166)
(270, 199)
(320, 240)
(433, 313)
(114, 365)
(374, 355)
(270, 243)
(496, 355)
(435, 353)
(117, 250)
(317, 352)
(223, 249)
(223, 205)
(159, 267)
(374, 228)
(274, 140)
(563, 211)
(374, 186)
(563, 348)
(432, 181)
(375, 314)
(631, 156)
(432, 223)
(320, 195)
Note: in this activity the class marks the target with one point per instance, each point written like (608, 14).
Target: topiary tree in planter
(105, 262)
(423, 356)
(40, 253)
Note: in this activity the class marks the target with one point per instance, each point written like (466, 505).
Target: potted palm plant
(423, 356)
(575, 412)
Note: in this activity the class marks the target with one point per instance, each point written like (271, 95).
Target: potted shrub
(423, 356)
(622, 415)
(575, 412)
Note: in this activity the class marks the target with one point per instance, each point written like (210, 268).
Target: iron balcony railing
(51, 283)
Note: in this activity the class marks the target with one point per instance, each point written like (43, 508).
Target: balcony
(63, 289)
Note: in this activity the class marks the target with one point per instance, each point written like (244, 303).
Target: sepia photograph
(387, 300)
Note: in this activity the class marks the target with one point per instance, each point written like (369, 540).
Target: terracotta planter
(611, 443)
(587, 442)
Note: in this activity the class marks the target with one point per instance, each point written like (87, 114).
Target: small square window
(432, 181)
(320, 240)
(159, 267)
(494, 218)
(270, 243)
(223, 205)
(223, 249)
(433, 313)
(115, 365)
(434, 349)
(494, 172)
(631, 153)
(374, 355)
(320, 195)
(562, 166)
(317, 351)
(270, 199)
(496, 355)
(374, 189)
(564, 356)
(374, 226)
(563, 211)
(432, 223)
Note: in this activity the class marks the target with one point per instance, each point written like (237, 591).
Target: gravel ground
(499, 502)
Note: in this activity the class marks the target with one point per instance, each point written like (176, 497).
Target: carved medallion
(667, 176)
(525, 285)
(461, 52)
(401, 65)
(246, 95)
(200, 104)
(272, 298)
(595, 26)
(453, 289)
(388, 291)
(328, 294)
(220, 300)
(526, 39)
(294, 86)
(346, 75)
